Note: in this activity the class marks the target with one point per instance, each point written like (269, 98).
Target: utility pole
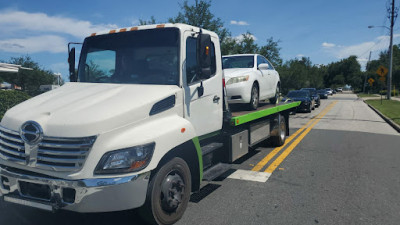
(366, 68)
(389, 78)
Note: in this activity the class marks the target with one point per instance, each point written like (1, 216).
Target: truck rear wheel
(279, 140)
(168, 193)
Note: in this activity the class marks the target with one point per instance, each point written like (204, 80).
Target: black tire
(280, 137)
(309, 109)
(173, 178)
(254, 99)
(275, 99)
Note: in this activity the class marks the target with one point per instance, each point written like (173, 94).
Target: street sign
(382, 71)
(371, 81)
(383, 79)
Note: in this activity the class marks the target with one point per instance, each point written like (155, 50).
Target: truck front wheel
(168, 193)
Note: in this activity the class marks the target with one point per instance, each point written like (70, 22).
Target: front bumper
(303, 106)
(239, 92)
(88, 195)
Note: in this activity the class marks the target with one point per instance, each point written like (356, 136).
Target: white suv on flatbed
(250, 78)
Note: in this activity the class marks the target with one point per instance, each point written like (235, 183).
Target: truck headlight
(125, 160)
(234, 80)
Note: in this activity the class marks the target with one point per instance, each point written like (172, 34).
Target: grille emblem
(31, 133)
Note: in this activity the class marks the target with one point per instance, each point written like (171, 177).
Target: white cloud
(300, 56)
(328, 45)
(44, 43)
(360, 50)
(40, 22)
(240, 23)
(241, 36)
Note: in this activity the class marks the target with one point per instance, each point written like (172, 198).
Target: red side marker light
(183, 130)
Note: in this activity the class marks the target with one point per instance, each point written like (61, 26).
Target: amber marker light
(137, 164)
(207, 50)
(93, 34)
(160, 26)
(111, 31)
(134, 28)
(122, 30)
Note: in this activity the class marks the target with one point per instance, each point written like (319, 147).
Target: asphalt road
(340, 166)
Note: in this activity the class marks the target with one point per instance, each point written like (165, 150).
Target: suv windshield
(238, 62)
(311, 90)
(137, 57)
(301, 94)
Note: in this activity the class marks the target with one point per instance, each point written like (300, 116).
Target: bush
(394, 92)
(9, 99)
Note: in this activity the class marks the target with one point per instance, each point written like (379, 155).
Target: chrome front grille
(53, 153)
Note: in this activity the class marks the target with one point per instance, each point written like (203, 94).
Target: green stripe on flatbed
(238, 120)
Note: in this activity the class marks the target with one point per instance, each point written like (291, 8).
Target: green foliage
(345, 71)
(9, 99)
(147, 22)
(384, 61)
(300, 73)
(28, 80)
(199, 15)
(393, 92)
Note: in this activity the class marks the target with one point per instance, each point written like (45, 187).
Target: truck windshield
(238, 62)
(133, 57)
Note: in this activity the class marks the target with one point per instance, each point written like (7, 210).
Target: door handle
(216, 99)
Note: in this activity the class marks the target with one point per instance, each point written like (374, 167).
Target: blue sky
(325, 31)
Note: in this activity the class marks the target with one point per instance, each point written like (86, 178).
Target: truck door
(203, 111)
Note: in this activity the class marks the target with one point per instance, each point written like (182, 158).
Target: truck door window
(192, 68)
(100, 64)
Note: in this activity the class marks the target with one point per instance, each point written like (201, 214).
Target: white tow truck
(141, 124)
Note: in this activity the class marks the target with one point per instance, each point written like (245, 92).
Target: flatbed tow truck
(141, 125)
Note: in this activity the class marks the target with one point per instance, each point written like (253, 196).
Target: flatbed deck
(265, 109)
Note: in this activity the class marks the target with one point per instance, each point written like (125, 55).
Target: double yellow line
(307, 127)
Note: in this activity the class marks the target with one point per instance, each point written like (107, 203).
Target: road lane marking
(272, 154)
(285, 153)
(250, 175)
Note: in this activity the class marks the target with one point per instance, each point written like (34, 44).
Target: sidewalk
(379, 97)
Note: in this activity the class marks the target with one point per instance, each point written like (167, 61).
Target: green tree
(28, 80)
(271, 51)
(199, 15)
(147, 22)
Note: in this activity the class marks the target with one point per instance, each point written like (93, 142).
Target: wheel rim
(277, 94)
(254, 93)
(282, 130)
(172, 191)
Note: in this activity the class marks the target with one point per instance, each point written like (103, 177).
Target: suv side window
(192, 68)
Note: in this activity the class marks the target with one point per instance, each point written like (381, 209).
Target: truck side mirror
(71, 62)
(204, 55)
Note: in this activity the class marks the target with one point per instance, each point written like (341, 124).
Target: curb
(388, 120)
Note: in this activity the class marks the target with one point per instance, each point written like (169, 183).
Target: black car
(307, 103)
(314, 95)
(323, 94)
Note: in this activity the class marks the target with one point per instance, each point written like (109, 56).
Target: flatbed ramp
(241, 117)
